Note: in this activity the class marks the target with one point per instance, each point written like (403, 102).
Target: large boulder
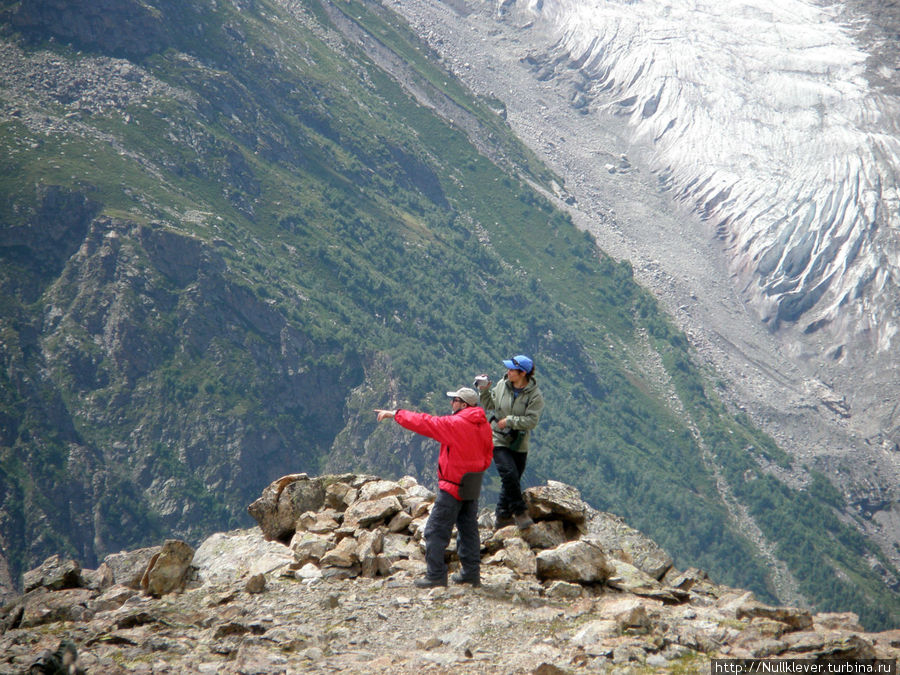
(555, 500)
(44, 606)
(55, 574)
(283, 502)
(168, 570)
(578, 561)
(128, 567)
(227, 557)
(616, 535)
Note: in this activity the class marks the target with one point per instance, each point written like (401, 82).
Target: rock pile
(344, 526)
(324, 584)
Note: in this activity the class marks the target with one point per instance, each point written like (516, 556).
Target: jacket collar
(531, 384)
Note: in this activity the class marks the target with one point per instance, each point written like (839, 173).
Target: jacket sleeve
(438, 428)
(486, 397)
(532, 414)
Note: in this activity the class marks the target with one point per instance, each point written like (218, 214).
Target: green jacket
(522, 412)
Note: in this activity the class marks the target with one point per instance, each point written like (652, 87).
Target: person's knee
(505, 464)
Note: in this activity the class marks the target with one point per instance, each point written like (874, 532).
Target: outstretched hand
(384, 414)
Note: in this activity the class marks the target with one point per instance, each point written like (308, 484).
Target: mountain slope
(227, 241)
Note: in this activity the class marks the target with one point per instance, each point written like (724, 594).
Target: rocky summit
(325, 584)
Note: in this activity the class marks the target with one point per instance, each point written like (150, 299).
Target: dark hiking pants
(510, 465)
(446, 512)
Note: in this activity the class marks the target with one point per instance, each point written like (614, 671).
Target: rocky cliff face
(125, 309)
(580, 591)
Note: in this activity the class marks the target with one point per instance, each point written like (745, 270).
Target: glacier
(762, 117)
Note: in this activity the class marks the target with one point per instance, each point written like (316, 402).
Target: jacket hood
(473, 415)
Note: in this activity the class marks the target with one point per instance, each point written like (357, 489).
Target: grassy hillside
(222, 247)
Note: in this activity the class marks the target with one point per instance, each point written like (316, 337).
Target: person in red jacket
(466, 453)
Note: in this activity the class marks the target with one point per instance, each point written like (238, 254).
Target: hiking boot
(458, 578)
(502, 521)
(425, 582)
(523, 521)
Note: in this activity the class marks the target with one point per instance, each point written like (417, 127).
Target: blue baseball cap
(520, 362)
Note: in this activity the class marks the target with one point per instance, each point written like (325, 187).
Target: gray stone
(555, 500)
(256, 584)
(55, 574)
(847, 621)
(565, 590)
(368, 548)
(797, 619)
(340, 495)
(128, 567)
(592, 635)
(399, 522)
(626, 611)
(112, 598)
(577, 561)
(396, 547)
(283, 501)
(629, 578)
(519, 558)
(545, 534)
(378, 489)
(365, 513)
(228, 557)
(42, 606)
(310, 547)
(613, 533)
(321, 522)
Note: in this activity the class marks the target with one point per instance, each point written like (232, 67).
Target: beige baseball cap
(470, 396)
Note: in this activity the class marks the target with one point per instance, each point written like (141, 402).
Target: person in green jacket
(514, 407)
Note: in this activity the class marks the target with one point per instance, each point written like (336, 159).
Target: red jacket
(465, 438)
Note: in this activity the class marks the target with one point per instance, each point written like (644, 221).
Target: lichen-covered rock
(168, 570)
(55, 574)
(578, 561)
(227, 557)
(283, 502)
(128, 567)
(616, 534)
(555, 500)
(365, 513)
